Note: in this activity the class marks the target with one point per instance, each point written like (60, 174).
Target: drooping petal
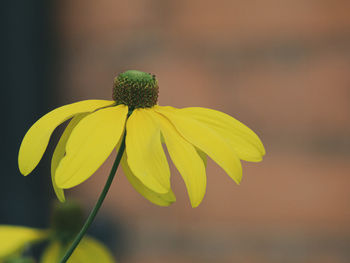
(14, 238)
(242, 139)
(89, 251)
(156, 198)
(36, 139)
(186, 159)
(60, 151)
(146, 157)
(205, 139)
(89, 145)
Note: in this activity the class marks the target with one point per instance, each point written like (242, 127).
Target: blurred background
(281, 67)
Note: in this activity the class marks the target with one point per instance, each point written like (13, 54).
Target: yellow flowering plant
(65, 224)
(136, 127)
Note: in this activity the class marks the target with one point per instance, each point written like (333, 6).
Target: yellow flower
(14, 239)
(88, 251)
(66, 222)
(97, 127)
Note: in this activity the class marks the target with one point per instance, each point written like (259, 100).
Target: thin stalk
(98, 204)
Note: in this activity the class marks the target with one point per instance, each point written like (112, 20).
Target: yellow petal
(36, 139)
(90, 144)
(205, 139)
(52, 253)
(88, 251)
(14, 238)
(242, 139)
(186, 159)
(91, 251)
(60, 151)
(156, 198)
(145, 154)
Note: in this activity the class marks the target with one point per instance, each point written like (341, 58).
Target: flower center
(136, 89)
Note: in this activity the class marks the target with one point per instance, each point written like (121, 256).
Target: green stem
(99, 202)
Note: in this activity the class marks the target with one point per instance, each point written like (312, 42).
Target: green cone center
(136, 89)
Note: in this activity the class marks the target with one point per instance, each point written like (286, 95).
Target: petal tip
(196, 200)
(61, 182)
(62, 199)
(195, 204)
(238, 181)
(160, 189)
(167, 204)
(23, 170)
(66, 183)
(23, 166)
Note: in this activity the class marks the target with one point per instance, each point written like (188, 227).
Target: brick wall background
(282, 68)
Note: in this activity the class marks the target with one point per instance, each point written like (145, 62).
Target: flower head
(97, 127)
